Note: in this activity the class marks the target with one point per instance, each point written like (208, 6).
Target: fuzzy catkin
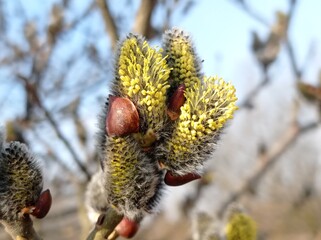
(131, 178)
(182, 58)
(132, 181)
(209, 104)
(240, 227)
(20, 180)
(142, 76)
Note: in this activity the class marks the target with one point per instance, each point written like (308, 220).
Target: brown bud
(122, 117)
(127, 228)
(172, 179)
(309, 91)
(43, 205)
(175, 102)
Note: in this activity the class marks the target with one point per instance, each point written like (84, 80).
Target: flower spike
(20, 180)
(181, 58)
(207, 108)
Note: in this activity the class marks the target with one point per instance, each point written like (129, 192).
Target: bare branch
(250, 12)
(51, 154)
(54, 125)
(80, 18)
(268, 158)
(248, 102)
(109, 21)
(289, 47)
(66, 142)
(142, 23)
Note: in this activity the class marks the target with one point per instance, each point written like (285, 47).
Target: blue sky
(221, 32)
(222, 37)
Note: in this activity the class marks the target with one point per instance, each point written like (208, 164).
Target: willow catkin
(20, 180)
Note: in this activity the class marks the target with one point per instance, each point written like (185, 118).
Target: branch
(247, 103)
(269, 158)
(65, 142)
(21, 229)
(110, 24)
(241, 4)
(288, 44)
(105, 226)
(142, 23)
(32, 89)
(79, 19)
(51, 154)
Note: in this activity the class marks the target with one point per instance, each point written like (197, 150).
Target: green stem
(105, 225)
(21, 229)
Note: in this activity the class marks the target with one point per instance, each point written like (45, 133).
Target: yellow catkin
(240, 227)
(207, 108)
(123, 160)
(143, 75)
(182, 58)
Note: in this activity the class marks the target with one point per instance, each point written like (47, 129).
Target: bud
(122, 117)
(175, 102)
(172, 179)
(42, 205)
(127, 228)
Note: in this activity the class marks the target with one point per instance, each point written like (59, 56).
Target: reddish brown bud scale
(43, 205)
(122, 117)
(177, 180)
(175, 102)
(127, 228)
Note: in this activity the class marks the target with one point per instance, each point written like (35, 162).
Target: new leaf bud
(127, 228)
(178, 180)
(42, 205)
(175, 102)
(122, 117)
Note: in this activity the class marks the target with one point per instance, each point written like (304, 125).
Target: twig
(251, 13)
(289, 47)
(65, 142)
(52, 155)
(269, 158)
(79, 19)
(105, 225)
(54, 125)
(110, 24)
(192, 199)
(142, 23)
(247, 103)
(288, 44)
(21, 229)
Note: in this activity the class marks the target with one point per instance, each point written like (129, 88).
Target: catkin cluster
(20, 180)
(163, 116)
